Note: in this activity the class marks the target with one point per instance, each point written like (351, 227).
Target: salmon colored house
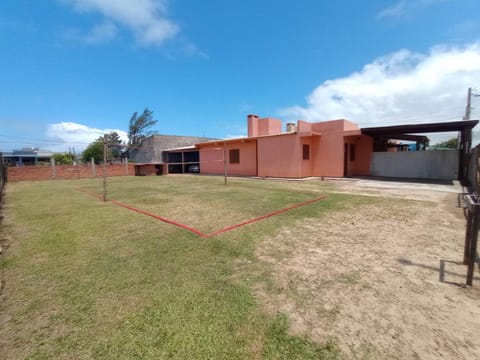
(329, 148)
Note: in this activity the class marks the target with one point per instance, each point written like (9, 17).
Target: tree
(450, 144)
(94, 150)
(64, 158)
(114, 145)
(138, 128)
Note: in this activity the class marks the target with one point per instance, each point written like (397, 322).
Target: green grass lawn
(86, 279)
(204, 203)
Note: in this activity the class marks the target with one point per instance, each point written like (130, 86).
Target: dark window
(234, 156)
(174, 157)
(352, 152)
(306, 152)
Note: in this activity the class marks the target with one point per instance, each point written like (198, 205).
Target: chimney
(291, 127)
(252, 125)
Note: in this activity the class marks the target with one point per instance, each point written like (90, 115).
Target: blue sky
(71, 70)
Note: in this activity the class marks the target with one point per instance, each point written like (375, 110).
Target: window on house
(306, 151)
(234, 155)
(352, 152)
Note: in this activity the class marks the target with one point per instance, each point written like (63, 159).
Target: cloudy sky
(72, 70)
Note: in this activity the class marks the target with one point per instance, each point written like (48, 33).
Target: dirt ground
(386, 281)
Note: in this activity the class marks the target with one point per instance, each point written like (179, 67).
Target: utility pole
(468, 110)
(105, 149)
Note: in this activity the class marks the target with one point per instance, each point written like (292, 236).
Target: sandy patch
(385, 280)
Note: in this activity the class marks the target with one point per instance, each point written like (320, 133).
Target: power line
(57, 142)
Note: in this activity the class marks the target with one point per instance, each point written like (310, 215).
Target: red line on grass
(198, 232)
(186, 227)
(266, 216)
(91, 193)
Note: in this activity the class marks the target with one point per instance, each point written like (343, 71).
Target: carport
(431, 164)
(182, 160)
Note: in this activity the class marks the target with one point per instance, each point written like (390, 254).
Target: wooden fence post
(472, 252)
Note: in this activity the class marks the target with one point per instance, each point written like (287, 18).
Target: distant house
(152, 156)
(27, 156)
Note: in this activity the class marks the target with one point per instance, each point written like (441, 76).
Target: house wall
(328, 155)
(305, 165)
(30, 173)
(282, 156)
(363, 155)
(279, 156)
(211, 158)
(332, 126)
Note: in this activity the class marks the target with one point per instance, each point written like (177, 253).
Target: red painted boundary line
(186, 227)
(198, 232)
(266, 216)
(90, 193)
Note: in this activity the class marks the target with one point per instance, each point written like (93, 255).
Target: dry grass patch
(369, 276)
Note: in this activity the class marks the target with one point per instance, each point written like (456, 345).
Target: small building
(155, 152)
(26, 157)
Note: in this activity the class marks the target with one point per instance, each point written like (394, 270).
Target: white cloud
(102, 33)
(146, 18)
(400, 88)
(394, 10)
(405, 7)
(65, 135)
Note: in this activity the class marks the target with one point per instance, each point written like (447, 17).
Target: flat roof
(182, 148)
(246, 138)
(420, 128)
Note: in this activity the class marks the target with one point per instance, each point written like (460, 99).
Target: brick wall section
(65, 172)
(148, 169)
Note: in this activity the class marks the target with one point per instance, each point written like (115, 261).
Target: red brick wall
(146, 169)
(28, 173)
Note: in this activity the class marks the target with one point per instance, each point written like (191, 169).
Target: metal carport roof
(387, 131)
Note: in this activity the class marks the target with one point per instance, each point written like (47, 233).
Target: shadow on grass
(407, 180)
